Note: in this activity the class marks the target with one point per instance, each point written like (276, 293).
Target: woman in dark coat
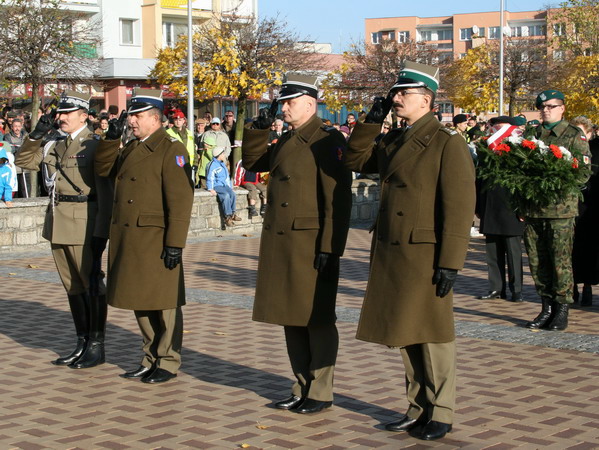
(585, 254)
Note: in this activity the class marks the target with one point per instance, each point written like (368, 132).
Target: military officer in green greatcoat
(150, 219)
(304, 234)
(549, 232)
(420, 241)
(77, 220)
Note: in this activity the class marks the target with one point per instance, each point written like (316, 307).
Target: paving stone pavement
(516, 387)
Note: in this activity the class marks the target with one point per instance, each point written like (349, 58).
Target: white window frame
(465, 34)
(403, 36)
(134, 31)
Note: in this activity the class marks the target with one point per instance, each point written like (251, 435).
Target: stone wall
(21, 226)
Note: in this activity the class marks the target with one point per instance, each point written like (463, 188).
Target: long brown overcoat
(152, 209)
(309, 206)
(71, 223)
(425, 213)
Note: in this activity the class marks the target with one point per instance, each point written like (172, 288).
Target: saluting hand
(380, 109)
(116, 126)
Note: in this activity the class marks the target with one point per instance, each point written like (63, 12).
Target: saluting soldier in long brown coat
(77, 220)
(419, 243)
(304, 234)
(150, 219)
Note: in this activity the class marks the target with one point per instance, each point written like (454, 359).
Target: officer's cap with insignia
(72, 101)
(296, 85)
(548, 95)
(415, 75)
(144, 99)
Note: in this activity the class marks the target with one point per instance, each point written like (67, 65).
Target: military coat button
(387, 180)
(129, 201)
(133, 178)
(287, 177)
(280, 232)
(126, 224)
(267, 227)
(400, 213)
(120, 177)
(284, 204)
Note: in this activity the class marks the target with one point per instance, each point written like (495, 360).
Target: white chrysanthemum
(566, 153)
(515, 139)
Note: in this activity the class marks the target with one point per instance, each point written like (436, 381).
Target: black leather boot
(587, 296)
(560, 317)
(78, 306)
(543, 317)
(94, 352)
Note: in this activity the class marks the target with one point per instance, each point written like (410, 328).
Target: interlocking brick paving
(516, 388)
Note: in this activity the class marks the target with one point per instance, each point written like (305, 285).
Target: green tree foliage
(574, 27)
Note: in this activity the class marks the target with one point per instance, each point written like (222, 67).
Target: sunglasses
(542, 107)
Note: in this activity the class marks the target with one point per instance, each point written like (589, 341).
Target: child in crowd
(218, 183)
(5, 178)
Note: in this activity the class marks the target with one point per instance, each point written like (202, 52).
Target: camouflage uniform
(549, 232)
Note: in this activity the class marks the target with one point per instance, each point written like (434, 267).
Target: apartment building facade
(453, 36)
(131, 34)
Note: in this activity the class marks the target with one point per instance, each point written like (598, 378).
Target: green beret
(519, 120)
(548, 95)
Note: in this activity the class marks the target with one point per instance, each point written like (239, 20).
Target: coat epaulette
(448, 131)
(173, 139)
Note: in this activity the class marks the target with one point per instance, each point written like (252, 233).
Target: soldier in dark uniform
(151, 214)
(549, 232)
(420, 241)
(304, 234)
(77, 220)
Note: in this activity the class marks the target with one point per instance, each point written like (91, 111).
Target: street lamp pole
(190, 120)
(501, 58)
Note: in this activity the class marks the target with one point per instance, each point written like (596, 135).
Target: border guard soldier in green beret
(304, 234)
(151, 213)
(549, 231)
(420, 242)
(77, 220)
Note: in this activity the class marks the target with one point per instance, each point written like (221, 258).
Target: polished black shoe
(544, 316)
(517, 297)
(492, 295)
(140, 372)
(75, 354)
(435, 430)
(92, 357)
(405, 424)
(309, 406)
(289, 403)
(158, 376)
(559, 321)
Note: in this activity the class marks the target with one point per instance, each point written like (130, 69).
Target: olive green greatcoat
(71, 223)
(426, 208)
(309, 206)
(152, 209)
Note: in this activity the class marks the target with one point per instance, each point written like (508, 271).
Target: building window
(536, 30)
(559, 29)
(426, 35)
(445, 35)
(446, 108)
(391, 35)
(128, 31)
(171, 32)
(494, 33)
(558, 55)
(465, 34)
(376, 37)
(516, 31)
(403, 36)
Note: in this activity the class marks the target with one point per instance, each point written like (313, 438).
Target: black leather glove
(116, 126)
(98, 245)
(43, 125)
(327, 265)
(380, 109)
(172, 257)
(266, 116)
(444, 279)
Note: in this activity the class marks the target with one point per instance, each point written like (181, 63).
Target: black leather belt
(75, 198)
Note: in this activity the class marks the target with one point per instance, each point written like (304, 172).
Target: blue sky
(342, 22)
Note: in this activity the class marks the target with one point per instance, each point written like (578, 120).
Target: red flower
(556, 151)
(502, 148)
(529, 144)
(574, 163)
